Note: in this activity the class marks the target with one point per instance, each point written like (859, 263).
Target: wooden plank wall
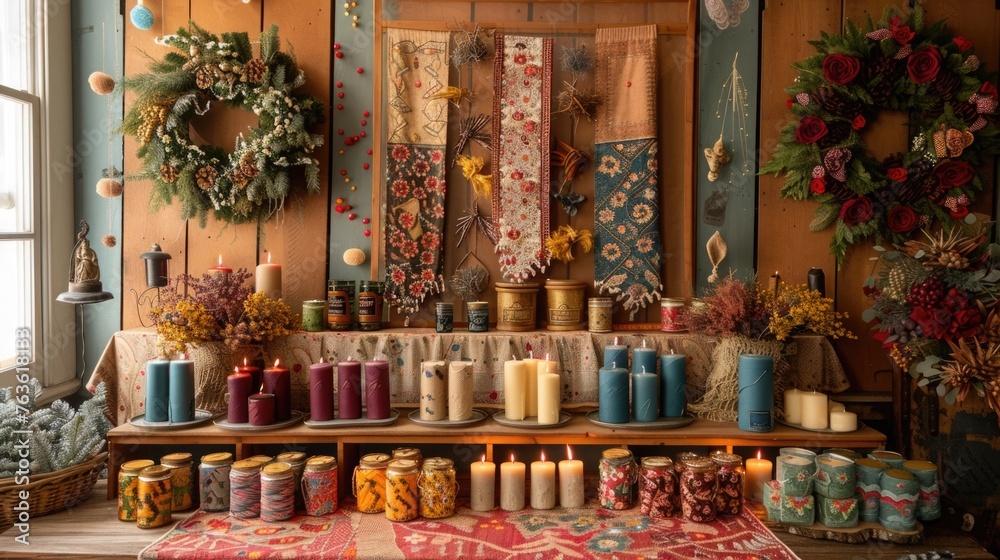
(296, 236)
(784, 241)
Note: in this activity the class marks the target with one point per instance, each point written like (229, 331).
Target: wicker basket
(50, 492)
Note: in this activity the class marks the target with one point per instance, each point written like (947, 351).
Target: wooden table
(578, 431)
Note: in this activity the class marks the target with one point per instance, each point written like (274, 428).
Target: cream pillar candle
(512, 485)
(543, 366)
(459, 391)
(758, 472)
(837, 407)
(433, 390)
(814, 415)
(515, 375)
(531, 372)
(269, 278)
(570, 481)
(793, 406)
(843, 421)
(484, 475)
(543, 484)
(549, 396)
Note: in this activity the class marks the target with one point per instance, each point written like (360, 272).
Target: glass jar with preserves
(319, 485)
(277, 493)
(401, 502)
(730, 475)
(313, 315)
(297, 461)
(370, 305)
(438, 488)
(369, 483)
(182, 480)
(128, 488)
(244, 489)
(681, 457)
(657, 487)
(698, 482)
(408, 453)
(155, 497)
(214, 481)
(618, 475)
(340, 304)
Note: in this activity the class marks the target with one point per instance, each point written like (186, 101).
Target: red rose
(856, 211)
(902, 219)
(988, 90)
(962, 43)
(959, 213)
(896, 174)
(858, 123)
(789, 102)
(894, 22)
(928, 321)
(924, 65)
(903, 35)
(965, 322)
(818, 185)
(810, 129)
(840, 69)
(954, 173)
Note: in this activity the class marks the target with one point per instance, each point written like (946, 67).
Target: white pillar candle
(459, 391)
(793, 406)
(484, 475)
(531, 386)
(549, 397)
(843, 421)
(570, 481)
(514, 389)
(814, 416)
(544, 366)
(433, 390)
(512, 485)
(268, 278)
(758, 472)
(837, 407)
(543, 484)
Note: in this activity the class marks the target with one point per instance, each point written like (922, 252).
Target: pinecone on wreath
(254, 70)
(248, 165)
(839, 190)
(836, 105)
(946, 85)
(882, 75)
(206, 177)
(203, 78)
(837, 132)
(168, 173)
(964, 111)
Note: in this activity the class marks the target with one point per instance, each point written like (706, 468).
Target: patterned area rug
(580, 533)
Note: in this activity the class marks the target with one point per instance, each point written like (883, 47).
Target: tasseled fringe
(454, 94)
(471, 166)
(560, 243)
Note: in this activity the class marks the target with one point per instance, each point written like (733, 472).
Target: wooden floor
(91, 531)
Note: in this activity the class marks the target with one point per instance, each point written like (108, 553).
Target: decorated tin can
(297, 461)
(411, 453)
(479, 316)
(444, 317)
(618, 476)
(214, 481)
(698, 482)
(599, 314)
(369, 483)
(319, 485)
(244, 489)
(128, 488)
(183, 476)
(438, 488)
(401, 502)
(929, 500)
(837, 512)
(370, 305)
(313, 315)
(899, 492)
(670, 315)
(277, 492)
(835, 477)
(262, 459)
(868, 472)
(155, 497)
(730, 474)
(340, 304)
(657, 487)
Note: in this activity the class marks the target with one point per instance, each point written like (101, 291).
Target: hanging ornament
(717, 249)
(726, 16)
(349, 7)
(101, 83)
(354, 257)
(717, 156)
(733, 109)
(109, 188)
(6, 200)
(109, 240)
(141, 17)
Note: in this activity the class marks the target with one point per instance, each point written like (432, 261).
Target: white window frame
(55, 330)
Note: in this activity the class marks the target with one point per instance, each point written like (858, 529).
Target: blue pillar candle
(613, 395)
(616, 355)
(157, 391)
(673, 384)
(756, 393)
(646, 395)
(643, 359)
(181, 391)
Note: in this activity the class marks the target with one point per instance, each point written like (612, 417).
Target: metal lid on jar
(277, 470)
(445, 305)
(478, 305)
(657, 463)
(402, 466)
(700, 464)
(158, 472)
(438, 464)
(684, 456)
(321, 463)
(133, 467)
(293, 458)
(262, 459)
(313, 303)
(599, 302)
(177, 460)
(727, 459)
(407, 453)
(247, 466)
(374, 461)
(217, 459)
(616, 454)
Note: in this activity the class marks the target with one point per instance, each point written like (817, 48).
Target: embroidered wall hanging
(415, 171)
(626, 190)
(521, 137)
(726, 16)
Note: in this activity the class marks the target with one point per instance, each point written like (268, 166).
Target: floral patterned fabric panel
(626, 188)
(417, 69)
(521, 139)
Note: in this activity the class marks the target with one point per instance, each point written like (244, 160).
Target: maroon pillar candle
(321, 391)
(377, 388)
(240, 388)
(261, 409)
(254, 373)
(349, 389)
(278, 381)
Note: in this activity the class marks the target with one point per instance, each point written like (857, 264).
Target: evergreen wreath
(250, 183)
(897, 64)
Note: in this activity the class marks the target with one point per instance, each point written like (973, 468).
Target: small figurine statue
(85, 273)
(716, 156)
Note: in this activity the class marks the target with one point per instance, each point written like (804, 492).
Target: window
(34, 224)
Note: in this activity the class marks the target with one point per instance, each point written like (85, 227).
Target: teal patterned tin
(796, 476)
(845, 453)
(772, 500)
(898, 509)
(929, 501)
(868, 471)
(835, 477)
(894, 459)
(837, 513)
(798, 510)
(795, 452)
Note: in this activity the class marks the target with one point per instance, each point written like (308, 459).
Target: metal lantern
(156, 266)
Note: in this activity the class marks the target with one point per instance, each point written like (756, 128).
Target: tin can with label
(214, 481)
(599, 314)
(155, 497)
(128, 488)
(340, 304)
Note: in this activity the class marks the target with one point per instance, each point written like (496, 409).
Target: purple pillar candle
(261, 408)
(377, 388)
(239, 391)
(321, 391)
(278, 382)
(349, 389)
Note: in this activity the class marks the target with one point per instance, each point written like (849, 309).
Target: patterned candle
(459, 391)
(321, 391)
(181, 391)
(254, 373)
(240, 389)
(434, 390)
(377, 389)
(261, 407)
(613, 395)
(643, 359)
(349, 389)
(616, 355)
(673, 384)
(278, 382)
(157, 391)
(646, 395)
